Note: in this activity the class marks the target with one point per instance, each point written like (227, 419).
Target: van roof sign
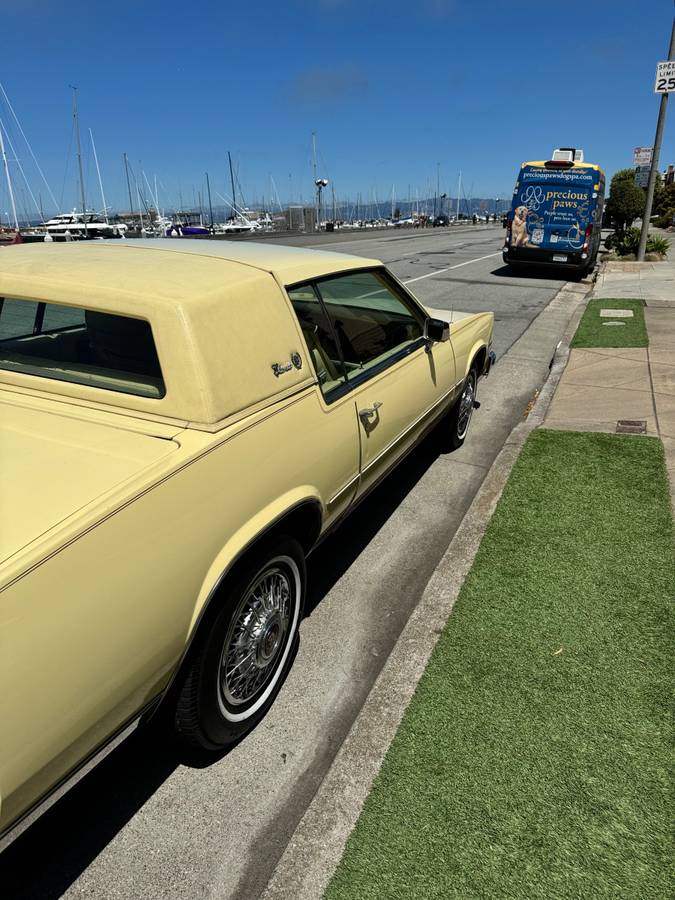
(567, 154)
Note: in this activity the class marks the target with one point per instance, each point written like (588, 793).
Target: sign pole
(655, 160)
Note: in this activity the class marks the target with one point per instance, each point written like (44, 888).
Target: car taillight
(587, 237)
(507, 236)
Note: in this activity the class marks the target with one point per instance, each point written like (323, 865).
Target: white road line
(457, 266)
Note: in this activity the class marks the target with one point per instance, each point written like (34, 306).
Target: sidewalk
(604, 386)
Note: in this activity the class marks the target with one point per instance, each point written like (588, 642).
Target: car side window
(319, 336)
(372, 322)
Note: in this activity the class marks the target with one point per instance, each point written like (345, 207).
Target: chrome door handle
(370, 411)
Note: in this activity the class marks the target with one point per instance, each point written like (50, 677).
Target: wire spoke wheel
(466, 402)
(246, 647)
(257, 636)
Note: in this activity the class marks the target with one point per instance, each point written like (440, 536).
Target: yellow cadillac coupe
(180, 424)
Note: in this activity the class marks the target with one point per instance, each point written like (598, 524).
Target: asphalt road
(147, 823)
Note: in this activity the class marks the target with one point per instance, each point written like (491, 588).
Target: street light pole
(320, 183)
(653, 172)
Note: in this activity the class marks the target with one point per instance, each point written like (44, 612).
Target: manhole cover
(616, 313)
(631, 426)
(613, 323)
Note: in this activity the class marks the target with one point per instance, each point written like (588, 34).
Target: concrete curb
(316, 847)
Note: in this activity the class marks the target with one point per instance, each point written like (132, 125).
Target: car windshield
(81, 346)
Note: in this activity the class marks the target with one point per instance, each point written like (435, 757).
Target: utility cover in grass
(591, 332)
(534, 760)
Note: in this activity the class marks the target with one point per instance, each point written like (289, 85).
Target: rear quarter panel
(92, 633)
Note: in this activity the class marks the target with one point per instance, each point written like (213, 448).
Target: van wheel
(240, 664)
(459, 417)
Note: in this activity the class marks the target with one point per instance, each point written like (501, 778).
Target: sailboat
(85, 224)
(7, 235)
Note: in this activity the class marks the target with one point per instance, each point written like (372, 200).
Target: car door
(397, 381)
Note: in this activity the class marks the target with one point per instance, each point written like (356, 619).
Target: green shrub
(657, 244)
(626, 243)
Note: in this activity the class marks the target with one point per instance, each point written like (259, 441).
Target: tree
(397, 213)
(622, 175)
(664, 199)
(626, 200)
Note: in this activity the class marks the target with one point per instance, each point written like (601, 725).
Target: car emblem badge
(279, 369)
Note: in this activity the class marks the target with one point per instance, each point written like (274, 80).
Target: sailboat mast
(459, 191)
(208, 188)
(76, 121)
(234, 199)
(126, 169)
(98, 172)
(9, 178)
(140, 208)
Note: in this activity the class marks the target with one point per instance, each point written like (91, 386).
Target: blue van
(556, 216)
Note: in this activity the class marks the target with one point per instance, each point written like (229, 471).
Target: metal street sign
(642, 176)
(665, 77)
(642, 156)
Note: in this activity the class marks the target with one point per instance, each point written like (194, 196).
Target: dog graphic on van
(519, 237)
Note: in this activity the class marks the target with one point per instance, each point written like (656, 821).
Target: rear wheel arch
(302, 522)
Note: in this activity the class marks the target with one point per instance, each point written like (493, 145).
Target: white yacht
(78, 226)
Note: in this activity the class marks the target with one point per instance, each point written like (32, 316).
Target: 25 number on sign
(664, 85)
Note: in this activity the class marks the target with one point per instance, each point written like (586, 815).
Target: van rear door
(560, 206)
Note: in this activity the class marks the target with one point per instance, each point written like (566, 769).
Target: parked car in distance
(441, 220)
(180, 424)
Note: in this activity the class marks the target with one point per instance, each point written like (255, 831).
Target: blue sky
(392, 90)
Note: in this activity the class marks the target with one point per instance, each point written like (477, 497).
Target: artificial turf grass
(519, 771)
(593, 333)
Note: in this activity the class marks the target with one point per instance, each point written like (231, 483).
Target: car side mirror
(436, 331)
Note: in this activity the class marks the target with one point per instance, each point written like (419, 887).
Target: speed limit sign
(665, 77)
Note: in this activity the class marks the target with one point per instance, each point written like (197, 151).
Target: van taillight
(587, 236)
(507, 236)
